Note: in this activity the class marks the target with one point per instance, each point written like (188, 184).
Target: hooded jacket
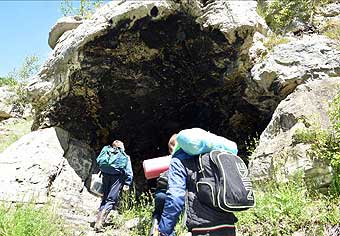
(127, 171)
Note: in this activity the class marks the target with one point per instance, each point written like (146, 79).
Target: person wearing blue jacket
(201, 220)
(113, 181)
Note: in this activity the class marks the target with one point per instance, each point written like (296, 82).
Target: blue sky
(24, 27)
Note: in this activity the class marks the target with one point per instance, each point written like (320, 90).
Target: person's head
(118, 144)
(172, 143)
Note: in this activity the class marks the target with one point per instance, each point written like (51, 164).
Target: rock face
(5, 108)
(305, 73)
(46, 165)
(328, 17)
(141, 70)
(277, 155)
(288, 65)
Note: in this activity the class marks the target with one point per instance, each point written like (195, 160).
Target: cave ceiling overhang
(139, 71)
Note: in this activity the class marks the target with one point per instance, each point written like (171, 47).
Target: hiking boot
(99, 225)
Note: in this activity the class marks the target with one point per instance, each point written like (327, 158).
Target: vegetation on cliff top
(85, 8)
(280, 14)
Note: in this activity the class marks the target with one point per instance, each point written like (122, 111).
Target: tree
(85, 9)
(20, 79)
(27, 69)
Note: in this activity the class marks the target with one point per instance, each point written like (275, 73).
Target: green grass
(332, 29)
(11, 133)
(132, 206)
(285, 208)
(140, 208)
(281, 209)
(28, 220)
(275, 40)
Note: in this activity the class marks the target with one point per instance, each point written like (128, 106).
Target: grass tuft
(285, 208)
(28, 220)
(12, 132)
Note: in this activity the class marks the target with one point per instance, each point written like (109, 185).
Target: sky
(24, 28)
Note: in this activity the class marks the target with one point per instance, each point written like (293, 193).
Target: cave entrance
(143, 81)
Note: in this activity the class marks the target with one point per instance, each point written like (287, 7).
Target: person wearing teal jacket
(114, 180)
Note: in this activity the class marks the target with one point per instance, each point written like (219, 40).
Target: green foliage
(335, 114)
(8, 81)
(139, 207)
(274, 40)
(132, 206)
(252, 143)
(21, 76)
(279, 14)
(284, 208)
(325, 144)
(85, 9)
(28, 220)
(13, 132)
(29, 67)
(332, 30)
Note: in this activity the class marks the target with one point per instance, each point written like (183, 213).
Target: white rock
(277, 155)
(63, 24)
(288, 65)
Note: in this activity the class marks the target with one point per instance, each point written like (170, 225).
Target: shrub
(335, 114)
(14, 132)
(279, 14)
(274, 40)
(325, 144)
(85, 9)
(9, 81)
(141, 207)
(21, 78)
(332, 30)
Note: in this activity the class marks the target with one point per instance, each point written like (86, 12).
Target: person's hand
(126, 187)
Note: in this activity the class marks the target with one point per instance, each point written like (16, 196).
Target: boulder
(10, 107)
(63, 24)
(5, 106)
(49, 165)
(288, 65)
(327, 18)
(277, 155)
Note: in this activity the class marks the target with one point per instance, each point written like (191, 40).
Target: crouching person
(116, 169)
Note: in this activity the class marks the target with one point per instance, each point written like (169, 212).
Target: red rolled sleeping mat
(155, 166)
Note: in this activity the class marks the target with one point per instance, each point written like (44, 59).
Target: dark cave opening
(140, 83)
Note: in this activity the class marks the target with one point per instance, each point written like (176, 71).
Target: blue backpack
(112, 157)
(197, 141)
